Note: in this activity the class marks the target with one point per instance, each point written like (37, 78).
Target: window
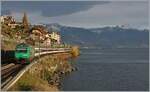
(22, 50)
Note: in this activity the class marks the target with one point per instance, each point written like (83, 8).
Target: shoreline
(46, 75)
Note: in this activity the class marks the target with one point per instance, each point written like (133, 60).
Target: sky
(87, 14)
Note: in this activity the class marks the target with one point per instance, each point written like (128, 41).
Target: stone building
(55, 37)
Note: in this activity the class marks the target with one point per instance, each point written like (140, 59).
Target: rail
(6, 85)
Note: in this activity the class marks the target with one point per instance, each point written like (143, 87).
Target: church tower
(25, 22)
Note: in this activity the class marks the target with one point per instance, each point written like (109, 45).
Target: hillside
(106, 37)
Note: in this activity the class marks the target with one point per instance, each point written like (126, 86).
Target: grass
(30, 82)
(44, 75)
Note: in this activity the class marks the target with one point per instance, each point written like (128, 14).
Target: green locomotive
(24, 53)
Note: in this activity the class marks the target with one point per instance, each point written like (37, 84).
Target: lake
(109, 70)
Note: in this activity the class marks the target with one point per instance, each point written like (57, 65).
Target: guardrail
(47, 49)
(50, 52)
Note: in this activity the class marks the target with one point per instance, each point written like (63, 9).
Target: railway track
(8, 72)
(11, 72)
(5, 66)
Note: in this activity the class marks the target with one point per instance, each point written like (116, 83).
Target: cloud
(84, 14)
(48, 8)
(133, 14)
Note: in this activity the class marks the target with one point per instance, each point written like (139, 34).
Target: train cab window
(22, 50)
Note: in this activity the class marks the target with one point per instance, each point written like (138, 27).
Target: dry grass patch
(44, 75)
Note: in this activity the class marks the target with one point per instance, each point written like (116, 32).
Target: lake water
(109, 70)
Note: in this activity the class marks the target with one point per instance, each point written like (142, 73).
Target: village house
(10, 21)
(55, 37)
(47, 42)
(39, 33)
(14, 25)
(7, 19)
(2, 19)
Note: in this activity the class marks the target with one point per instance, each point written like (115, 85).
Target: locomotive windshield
(22, 50)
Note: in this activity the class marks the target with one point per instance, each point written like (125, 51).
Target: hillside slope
(111, 37)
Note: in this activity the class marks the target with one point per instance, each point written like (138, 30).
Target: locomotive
(24, 53)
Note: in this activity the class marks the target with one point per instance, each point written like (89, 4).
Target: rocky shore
(46, 75)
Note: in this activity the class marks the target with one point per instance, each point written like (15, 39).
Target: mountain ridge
(104, 37)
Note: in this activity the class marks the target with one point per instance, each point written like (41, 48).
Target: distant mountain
(106, 37)
(54, 26)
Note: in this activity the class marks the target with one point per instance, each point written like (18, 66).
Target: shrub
(75, 51)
